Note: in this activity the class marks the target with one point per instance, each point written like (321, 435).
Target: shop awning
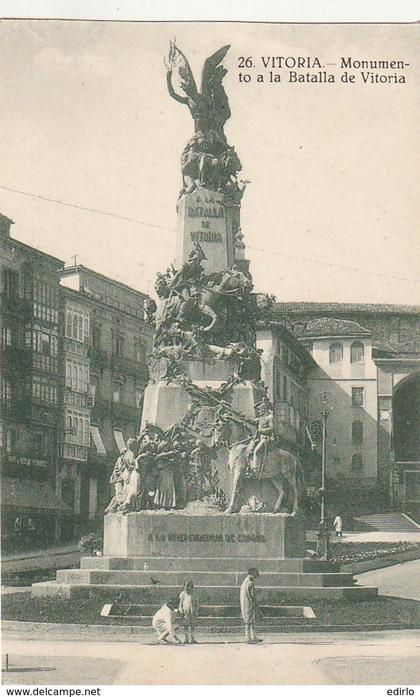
(119, 439)
(96, 437)
(30, 494)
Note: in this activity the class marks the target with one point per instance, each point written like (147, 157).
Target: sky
(331, 210)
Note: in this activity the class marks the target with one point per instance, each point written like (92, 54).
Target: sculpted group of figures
(167, 469)
(161, 469)
(199, 313)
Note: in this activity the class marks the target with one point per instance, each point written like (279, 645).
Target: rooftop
(326, 308)
(409, 349)
(79, 268)
(330, 326)
(281, 330)
(34, 251)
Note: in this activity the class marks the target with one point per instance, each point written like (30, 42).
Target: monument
(207, 432)
(208, 487)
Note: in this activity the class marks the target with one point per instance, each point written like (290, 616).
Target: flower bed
(355, 552)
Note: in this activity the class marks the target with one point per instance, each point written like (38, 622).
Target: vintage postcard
(210, 357)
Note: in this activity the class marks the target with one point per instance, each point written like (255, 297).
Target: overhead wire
(311, 259)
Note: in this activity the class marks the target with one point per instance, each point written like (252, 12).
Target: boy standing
(188, 609)
(163, 622)
(249, 605)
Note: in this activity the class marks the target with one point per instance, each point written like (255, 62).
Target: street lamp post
(327, 404)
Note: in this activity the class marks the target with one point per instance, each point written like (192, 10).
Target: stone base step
(159, 594)
(221, 622)
(207, 564)
(200, 578)
(210, 613)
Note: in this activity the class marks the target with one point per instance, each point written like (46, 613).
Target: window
(356, 462)
(86, 431)
(93, 388)
(44, 390)
(77, 324)
(95, 336)
(77, 375)
(139, 353)
(54, 345)
(357, 352)
(357, 398)
(77, 427)
(139, 397)
(45, 301)
(11, 440)
(357, 432)
(278, 385)
(10, 283)
(68, 374)
(283, 413)
(116, 394)
(45, 344)
(39, 444)
(336, 353)
(292, 416)
(85, 379)
(6, 337)
(43, 341)
(6, 390)
(285, 399)
(117, 345)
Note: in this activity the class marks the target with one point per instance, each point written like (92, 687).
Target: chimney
(5, 225)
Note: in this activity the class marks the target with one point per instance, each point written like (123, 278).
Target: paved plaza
(318, 659)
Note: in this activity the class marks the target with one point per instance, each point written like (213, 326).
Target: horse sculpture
(279, 467)
(212, 296)
(208, 299)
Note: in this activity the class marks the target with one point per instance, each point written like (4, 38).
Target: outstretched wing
(212, 70)
(184, 68)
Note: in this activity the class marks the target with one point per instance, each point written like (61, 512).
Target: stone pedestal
(175, 534)
(166, 403)
(203, 217)
(148, 557)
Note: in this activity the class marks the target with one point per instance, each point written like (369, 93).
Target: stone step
(159, 594)
(212, 612)
(217, 622)
(200, 578)
(389, 522)
(155, 564)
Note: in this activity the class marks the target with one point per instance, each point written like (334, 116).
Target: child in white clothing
(188, 609)
(163, 622)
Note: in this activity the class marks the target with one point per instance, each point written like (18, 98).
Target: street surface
(61, 557)
(400, 580)
(315, 659)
